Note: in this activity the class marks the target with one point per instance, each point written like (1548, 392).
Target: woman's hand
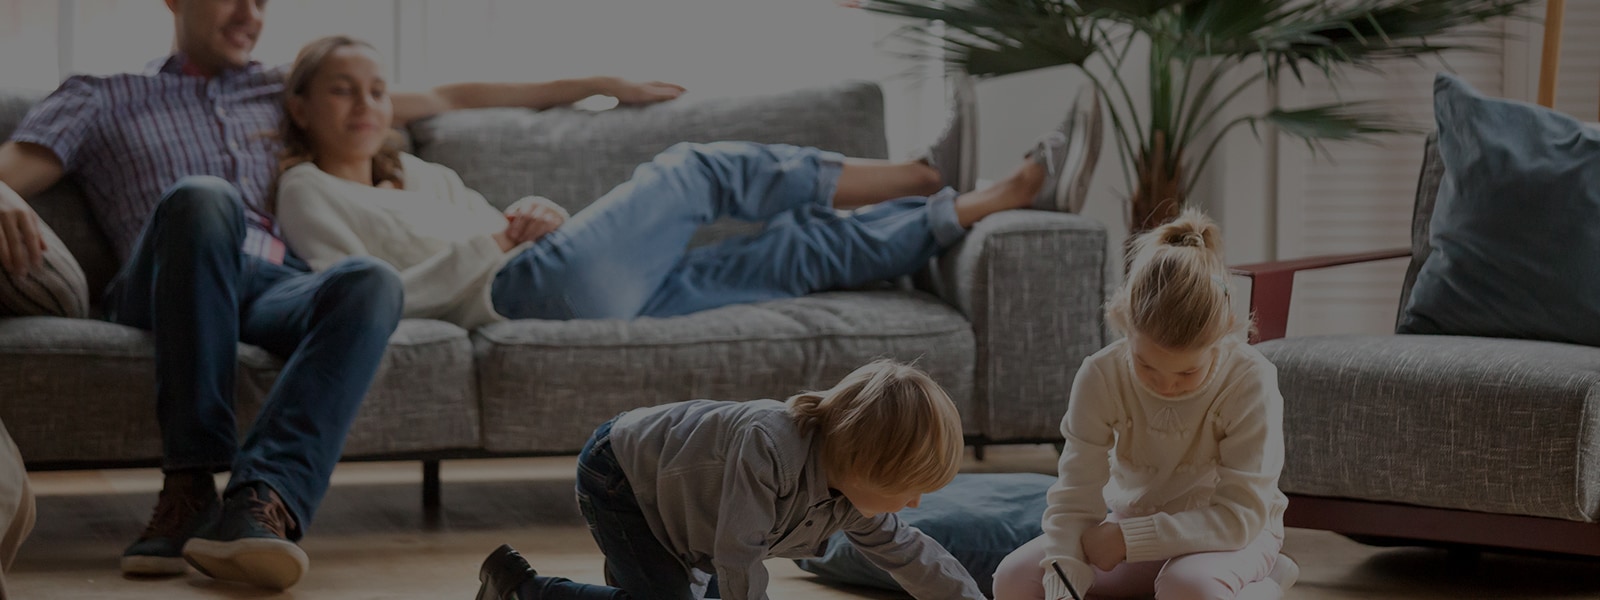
(1104, 547)
(532, 218)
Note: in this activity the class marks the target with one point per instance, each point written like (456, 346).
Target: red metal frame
(1273, 284)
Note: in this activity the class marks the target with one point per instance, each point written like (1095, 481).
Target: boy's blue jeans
(189, 284)
(627, 255)
(636, 562)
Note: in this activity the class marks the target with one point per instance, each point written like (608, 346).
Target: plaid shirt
(126, 138)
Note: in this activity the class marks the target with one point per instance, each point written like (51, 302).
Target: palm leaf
(1340, 121)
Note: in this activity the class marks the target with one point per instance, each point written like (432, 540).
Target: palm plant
(1194, 45)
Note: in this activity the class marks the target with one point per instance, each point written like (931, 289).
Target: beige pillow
(55, 289)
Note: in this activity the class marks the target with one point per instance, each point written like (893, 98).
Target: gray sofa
(1427, 439)
(1002, 320)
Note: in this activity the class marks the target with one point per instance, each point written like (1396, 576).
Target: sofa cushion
(547, 384)
(1515, 252)
(425, 395)
(574, 156)
(78, 390)
(54, 288)
(1491, 425)
(980, 518)
(424, 398)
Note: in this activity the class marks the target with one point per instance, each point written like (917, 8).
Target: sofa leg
(430, 487)
(978, 451)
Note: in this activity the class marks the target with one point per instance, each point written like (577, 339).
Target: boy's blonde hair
(888, 426)
(1177, 293)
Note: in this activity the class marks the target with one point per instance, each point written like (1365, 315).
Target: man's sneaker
(188, 502)
(249, 542)
(1069, 154)
(503, 574)
(955, 154)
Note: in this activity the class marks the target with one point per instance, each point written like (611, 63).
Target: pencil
(1063, 576)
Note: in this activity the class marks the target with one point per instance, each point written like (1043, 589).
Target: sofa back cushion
(1513, 250)
(574, 156)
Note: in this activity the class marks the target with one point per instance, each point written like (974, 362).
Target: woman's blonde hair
(888, 426)
(1177, 293)
(297, 142)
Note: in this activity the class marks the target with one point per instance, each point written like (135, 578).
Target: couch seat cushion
(425, 396)
(1489, 425)
(78, 390)
(547, 384)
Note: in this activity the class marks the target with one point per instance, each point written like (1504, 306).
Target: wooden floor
(371, 540)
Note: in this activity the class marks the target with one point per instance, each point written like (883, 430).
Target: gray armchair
(1416, 439)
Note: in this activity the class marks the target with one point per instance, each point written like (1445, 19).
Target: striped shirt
(126, 138)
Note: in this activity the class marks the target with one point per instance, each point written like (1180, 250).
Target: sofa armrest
(1033, 285)
(1272, 285)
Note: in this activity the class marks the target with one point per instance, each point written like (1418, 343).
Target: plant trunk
(1160, 195)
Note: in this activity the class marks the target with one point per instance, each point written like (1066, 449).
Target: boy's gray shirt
(726, 485)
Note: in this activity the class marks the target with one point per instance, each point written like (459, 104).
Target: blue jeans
(189, 284)
(627, 255)
(636, 562)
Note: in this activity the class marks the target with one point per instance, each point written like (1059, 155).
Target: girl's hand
(1104, 547)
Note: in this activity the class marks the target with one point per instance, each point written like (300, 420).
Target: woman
(346, 191)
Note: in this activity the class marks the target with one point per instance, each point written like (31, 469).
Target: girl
(344, 192)
(1177, 428)
(675, 494)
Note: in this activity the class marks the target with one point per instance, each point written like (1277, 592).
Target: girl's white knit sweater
(1194, 473)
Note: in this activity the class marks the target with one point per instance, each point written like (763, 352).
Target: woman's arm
(320, 232)
(313, 227)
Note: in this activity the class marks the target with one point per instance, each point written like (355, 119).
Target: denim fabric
(188, 282)
(627, 255)
(634, 559)
(636, 562)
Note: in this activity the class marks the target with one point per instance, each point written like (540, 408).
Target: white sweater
(436, 232)
(1195, 473)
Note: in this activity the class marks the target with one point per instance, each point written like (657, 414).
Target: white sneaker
(955, 154)
(1069, 154)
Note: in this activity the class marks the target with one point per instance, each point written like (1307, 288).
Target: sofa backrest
(1422, 215)
(575, 156)
(569, 155)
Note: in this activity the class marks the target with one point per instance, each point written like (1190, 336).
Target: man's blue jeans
(189, 284)
(627, 255)
(636, 562)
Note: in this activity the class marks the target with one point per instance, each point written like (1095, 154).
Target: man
(177, 171)
(16, 505)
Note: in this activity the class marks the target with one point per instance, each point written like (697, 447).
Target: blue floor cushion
(980, 518)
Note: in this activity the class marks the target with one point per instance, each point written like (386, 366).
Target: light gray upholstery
(425, 396)
(546, 384)
(1001, 321)
(1491, 425)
